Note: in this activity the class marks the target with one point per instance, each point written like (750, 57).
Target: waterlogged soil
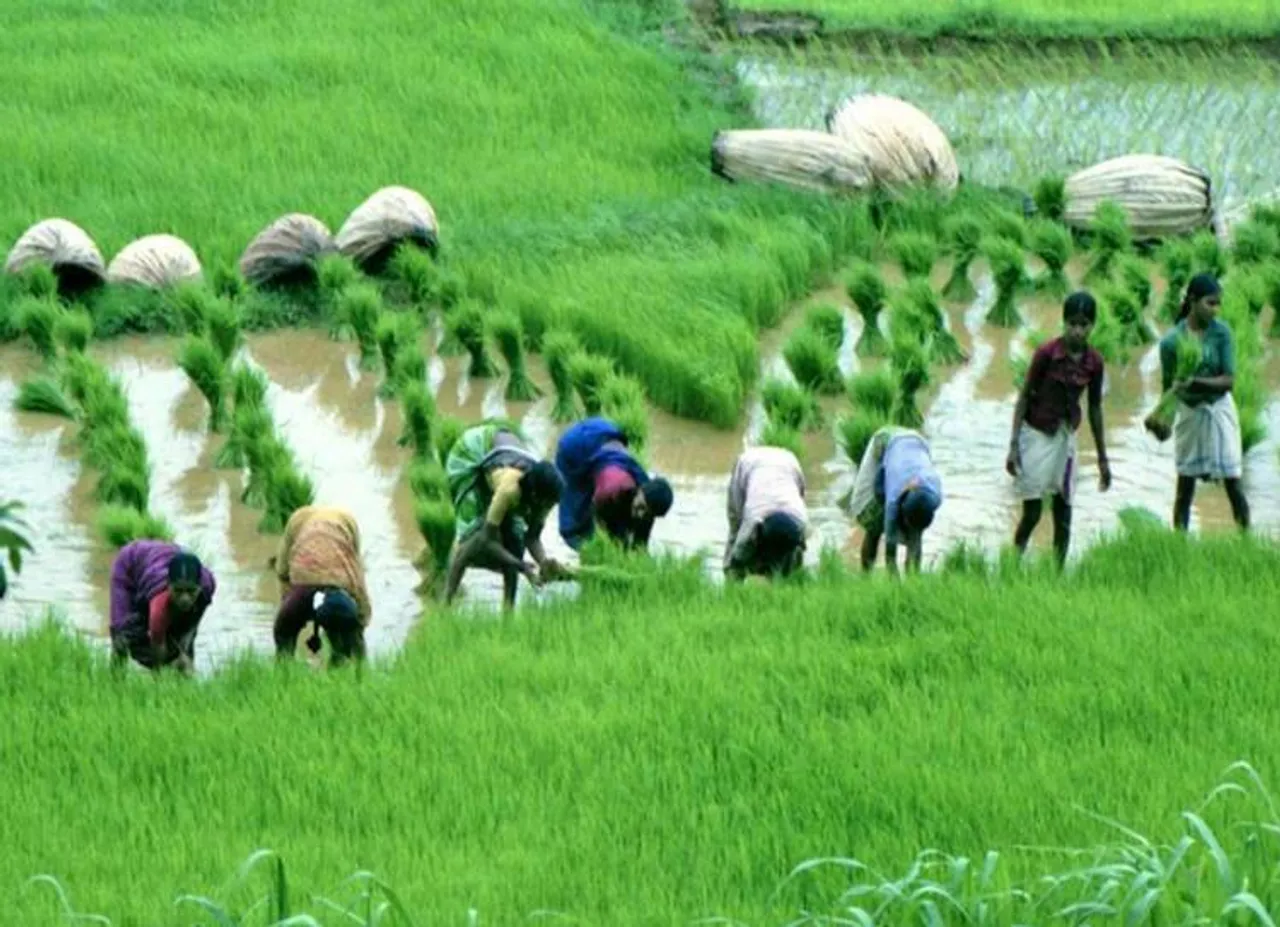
(345, 438)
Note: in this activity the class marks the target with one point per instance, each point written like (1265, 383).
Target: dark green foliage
(1050, 197)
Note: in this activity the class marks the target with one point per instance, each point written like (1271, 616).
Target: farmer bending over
(895, 496)
(322, 584)
(159, 593)
(603, 481)
(502, 494)
(1042, 450)
(768, 520)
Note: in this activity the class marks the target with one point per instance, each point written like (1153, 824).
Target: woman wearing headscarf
(604, 482)
(159, 593)
(896, 493)
(502, 494)
(768, 520)
(1206, 430)
(322, 583)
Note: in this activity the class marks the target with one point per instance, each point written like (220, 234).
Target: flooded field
(1013, 117)
(345, 436)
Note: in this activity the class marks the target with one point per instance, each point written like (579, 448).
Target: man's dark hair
(1080, 304)
(542, 482)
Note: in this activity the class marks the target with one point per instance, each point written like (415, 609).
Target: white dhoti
(1048, 464)
(1206, 440)
(866, 509)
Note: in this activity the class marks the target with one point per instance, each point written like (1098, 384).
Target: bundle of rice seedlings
(119, 525)
(1254, 242)
(1009, 226)
(557, 348)
(83, 377)
(448, 431)
(1019, 363)
(1050, 197)
(1251, 287)
(248, 420)
(915, 252)
(633, 420)
(856, 430)
(589, 373)
(390, 336)
(1131, 272)
(813, 362)
(427, 479)
(74, 330)
(360, 306)
(39, 281)
(207, 369)
(451, 288)
(777, 434)
(38, 320)
(873, 391)
(1134, 329)
(115, 444)
(1111, 238)
(868, 292)
(943, 345)
(415, 270)
(224, 325)
(191, 302)
(1108, 336)
(334, 274)
(266, 455)
(910, 364)
(467, 325)
(418, 408)
(1208, 255)
(1189, 355)
(287, 491)
(437, 524)
(509, 333)
(226, 282)
(248, 386)
(123, 484)
(1272, 281)
(1051, 243)
(105, 408)
(963, 234)
(1176, 260)
(828, 321)
(411, 365)
(43, 396)
(1009, 269)
(790, 405)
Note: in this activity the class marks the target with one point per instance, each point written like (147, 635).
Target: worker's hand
(1013, 463)
(553, 569)
(1182, 387)
(531, 573)
(1104, 475)
(1158, 429)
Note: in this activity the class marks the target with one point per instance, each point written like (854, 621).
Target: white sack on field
(902, 146)
(58, 244)
(155, 261)
(1162, 196)
(799, 158)
(293, 242)
(391, 215)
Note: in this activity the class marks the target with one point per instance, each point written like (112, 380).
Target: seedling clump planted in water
(1009, 226)
(790, 405)
(207, 369)
(119, 525)
(942, 343)
(557, 349)
(468, 325)
(1254, 242)
(1111, 238)
(391, 333)
(777, 434)
(1208, 255)
(43, 396)
(1176, 259)
(1132, 273)
(915, 252)
(1050, 197)
(911, 366)
(438, 525)
(828, 321)
(589, 373)
(38, 320)
(1134, 330)
(964, 239)
(813, 362)
(868, 292)
(1019, 363)
(418, 408)
(359, 307)
(873, 391)
(1272, 281)
(74, 331)
(1051, 243)
(857, 429)
(509, 333)
(622, 399)
(1009, 268)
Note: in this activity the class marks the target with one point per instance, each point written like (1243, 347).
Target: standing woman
(1206, 431)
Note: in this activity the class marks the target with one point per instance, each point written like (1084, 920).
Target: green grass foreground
(1047, 19)
(669, 752)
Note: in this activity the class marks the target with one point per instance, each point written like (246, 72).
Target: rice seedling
(224, 327)
(942, 343)
(1008, 226)
(915, 252)
(509, 333)
(467, 324)
(14, 541)
(416, 272)
(1176, 261)
(448, 431)
(1272, 282)
(287, 491)
(589, 373)
(205, 365)
(40, 282)
(38, 320)
(427, 479)
(226, 283)
(438, 525)
(910, 364)
(873, 391)
(633, 420)
(248, 387)
(1250, 284)
(1132, 273)
(359, 307)
(856, 430)
(1135, 331)
(1189, 355)
(1208, 255)
(396, 333)
(191, 303)
(119, 525)
(1019, 363)
(42, 395)
(411, 365)
(813, 362)
(1110, 237)
(867, 291)
(418, 409)
(778, 434)
(1254, 242)
(557, 348)
(963, 235)
(248, 419)
(828, 321)
(1009, 269)
(73, 331)
(335, 274)
(1051, 243)
(1050, 196)
(1108, 336)
(790, 405)
(123, 485)
(266, 456)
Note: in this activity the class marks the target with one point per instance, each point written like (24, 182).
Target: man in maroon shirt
(1042, 450)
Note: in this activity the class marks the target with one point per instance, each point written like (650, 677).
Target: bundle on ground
(797, 158)
(856, 430)
(866, 288)
(942, 343)
(43, 396)
(38, 319)
(1189, 355)
(1110, 238)
(359, 307)
(1019, 363)
(387, 219)
(873, 391)
(418, 409)
(589, 373)
(155, 262)
(915, 252)
(509, 334)
(1009, 269)
(790, 405)
(1050, 197)
(1051, 243)
(899, 144)
(119, 525)
(910, 364)
(205, 366)
(813, 361)
(470, 327)
(963, 234)
(287, 251)
(1176, 260)
(64, 248)
(557, 348)
(1160, 196)
(438, 525)
(828, 321)
(74, 331)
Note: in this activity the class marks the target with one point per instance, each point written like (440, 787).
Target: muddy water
(345, 438)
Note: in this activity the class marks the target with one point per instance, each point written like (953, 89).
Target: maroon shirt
(1055, 381)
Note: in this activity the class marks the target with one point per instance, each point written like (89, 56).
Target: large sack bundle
(62, 246)
(286, 248)
(1162, 196)
(795, 157)
(384, 220)
(156, 261)
(902, 146)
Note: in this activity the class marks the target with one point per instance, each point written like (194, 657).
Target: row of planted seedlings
(74, 386)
